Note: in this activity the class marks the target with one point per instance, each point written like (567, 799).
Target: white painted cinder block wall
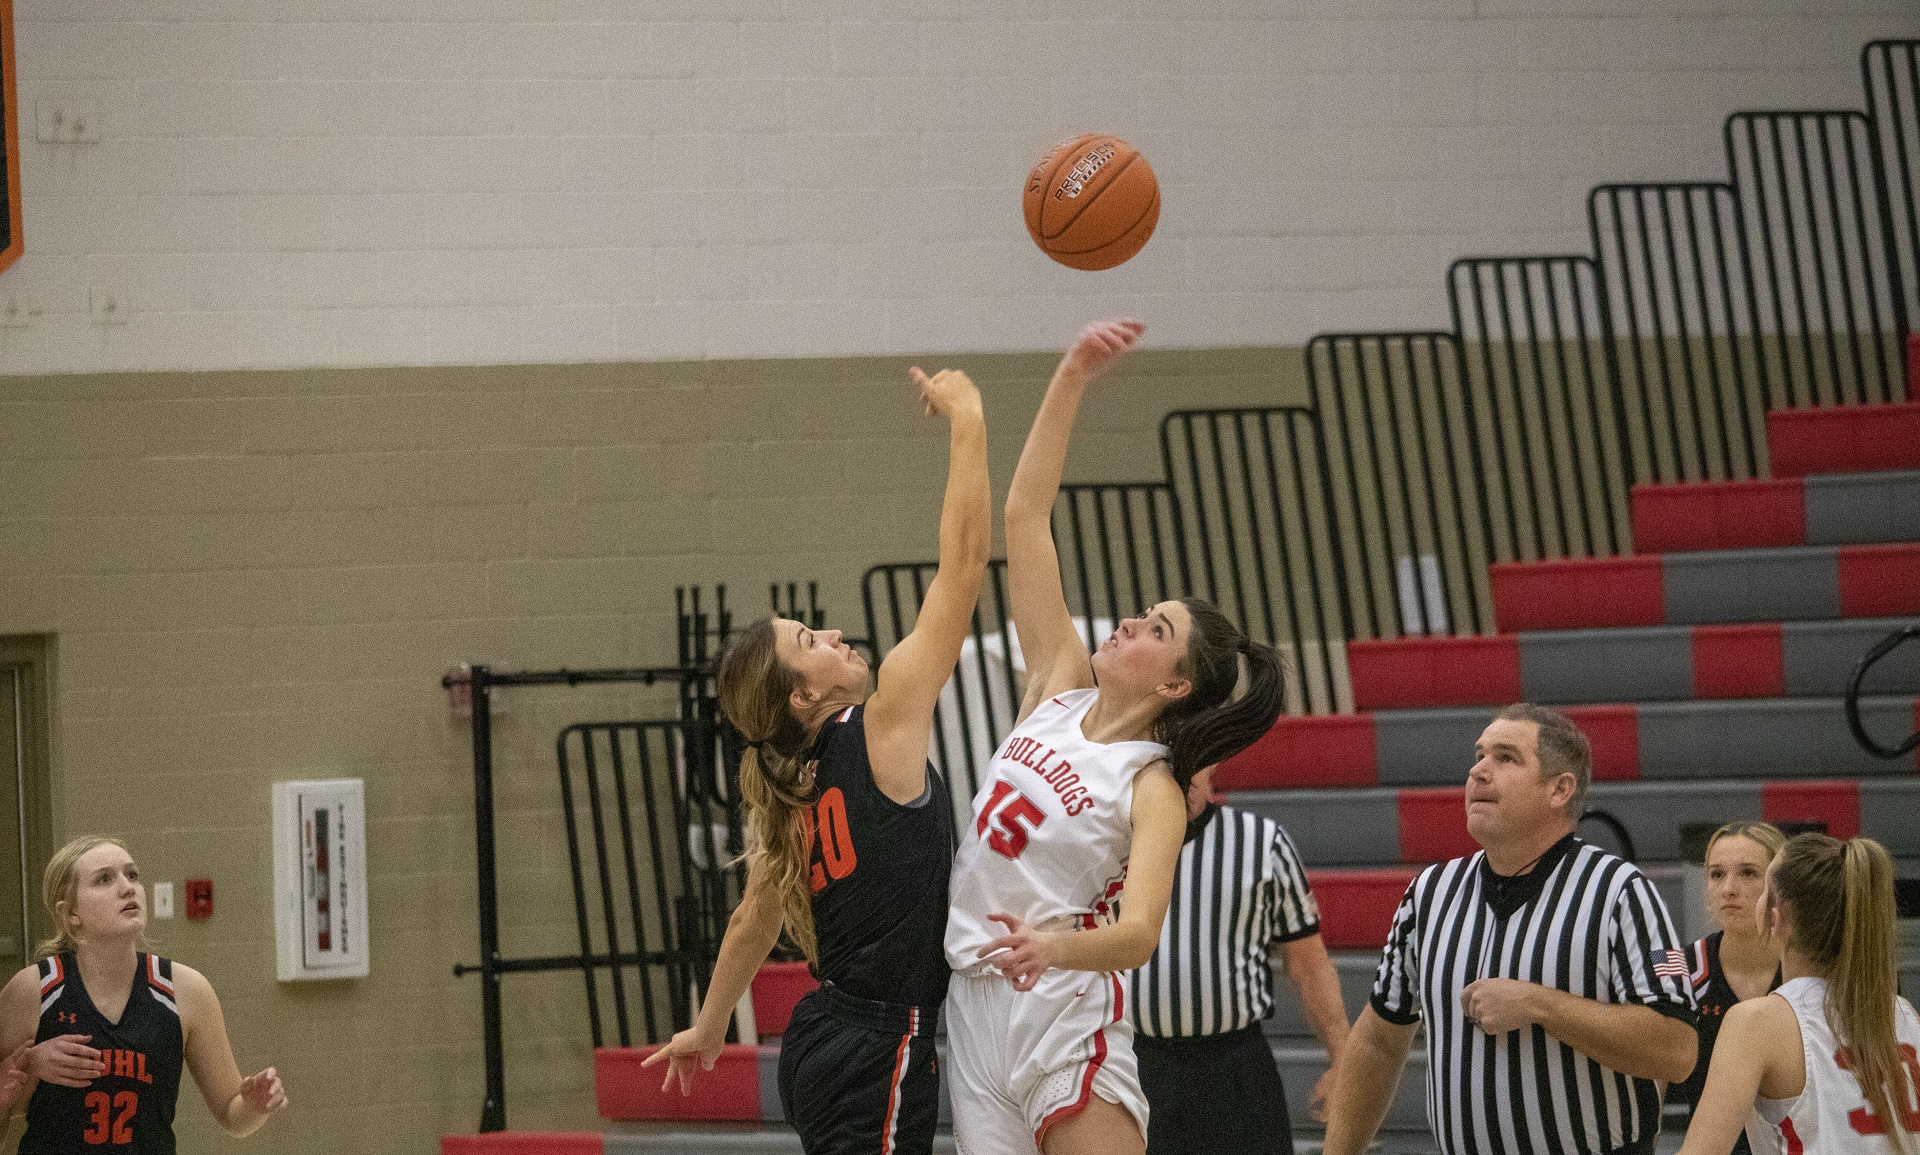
(367, 182)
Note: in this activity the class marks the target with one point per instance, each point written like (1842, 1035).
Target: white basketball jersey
(1831, 1113)
(1051, 830)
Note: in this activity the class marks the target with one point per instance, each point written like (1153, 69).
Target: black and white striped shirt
(1238, 887)
(1581, 920)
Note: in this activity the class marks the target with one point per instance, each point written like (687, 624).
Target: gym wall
(637, 278)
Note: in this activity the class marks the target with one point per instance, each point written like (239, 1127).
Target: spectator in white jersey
(1554, 990)
(1239, 891)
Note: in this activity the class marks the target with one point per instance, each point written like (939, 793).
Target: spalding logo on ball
(1092, 202)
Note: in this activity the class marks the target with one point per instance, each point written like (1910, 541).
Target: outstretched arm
(751, 933)
(1055, 655)
(899, 715)
(239, 1105)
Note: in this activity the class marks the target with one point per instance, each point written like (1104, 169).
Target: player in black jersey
(850, 837)
(101, 1028)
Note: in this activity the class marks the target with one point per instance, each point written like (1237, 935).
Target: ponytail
(1841, 895)
(1205, 727)
(775, 783)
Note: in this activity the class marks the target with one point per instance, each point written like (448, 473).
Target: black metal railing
(1425, 457)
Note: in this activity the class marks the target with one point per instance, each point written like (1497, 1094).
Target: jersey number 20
(110, 1120)
(1012, 820)
(1906, 1103)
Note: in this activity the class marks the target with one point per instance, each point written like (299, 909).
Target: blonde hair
(1765, 834)
(1842, 899)
(755, 689)
(60, 887)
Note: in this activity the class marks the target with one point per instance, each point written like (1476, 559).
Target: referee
(1554, 990)
(1238, 891)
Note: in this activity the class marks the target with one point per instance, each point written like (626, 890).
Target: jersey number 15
(1012, 820)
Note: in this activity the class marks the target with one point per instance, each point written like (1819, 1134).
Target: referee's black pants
(1213, 1095)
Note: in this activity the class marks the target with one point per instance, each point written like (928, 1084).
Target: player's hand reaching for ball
(947, 393)
(1100, 345)
(64, 1061)
(1025, 953)
(686, 1054)
(263, 1092)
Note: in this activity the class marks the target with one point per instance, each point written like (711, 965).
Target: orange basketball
(1092, 202)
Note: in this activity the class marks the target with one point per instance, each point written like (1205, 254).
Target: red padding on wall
(1578, 593)
(1836, 802)
(1719, 515)
(1356, 906)
(1879, 581)
(1844, 439)
(1744, 661)
(1324, 750)
(1433, 824)
(1411, 672)
(524, 1143)
(1614, 732)
(624, 1090)
(776, 988)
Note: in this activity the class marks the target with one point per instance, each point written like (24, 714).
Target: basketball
(1091, 203)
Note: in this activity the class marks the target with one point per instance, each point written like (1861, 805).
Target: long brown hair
(775, 784)
(60, 892)
(1842, 899)
(1209, 725)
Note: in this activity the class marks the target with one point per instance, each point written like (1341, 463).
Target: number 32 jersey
(1052, 827)
(130, 1108)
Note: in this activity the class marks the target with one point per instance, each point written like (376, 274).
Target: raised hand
(686, 1054)
(1100, 345)
(263, 1092)
(946, 392)
(65, 1061)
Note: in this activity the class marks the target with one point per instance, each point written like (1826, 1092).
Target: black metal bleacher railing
(652, 822)
(1424, 457)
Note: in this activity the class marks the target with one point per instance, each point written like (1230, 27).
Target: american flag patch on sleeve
(1669, 964)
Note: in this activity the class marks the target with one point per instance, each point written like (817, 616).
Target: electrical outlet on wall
(163, 900)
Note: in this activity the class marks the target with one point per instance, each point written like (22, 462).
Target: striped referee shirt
(1238, 886)
(1583, 921)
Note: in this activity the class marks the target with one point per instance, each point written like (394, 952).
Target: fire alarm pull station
(319, 879)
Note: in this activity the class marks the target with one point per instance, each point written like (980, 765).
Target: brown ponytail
(774, 783)
(1205, 727)
(1841, 895)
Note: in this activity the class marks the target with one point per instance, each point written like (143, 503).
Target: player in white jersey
(1830, 1062)
(1086, 794)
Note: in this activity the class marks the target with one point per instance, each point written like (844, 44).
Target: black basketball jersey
(130, 1108)
(1715, 996)
(878, 874)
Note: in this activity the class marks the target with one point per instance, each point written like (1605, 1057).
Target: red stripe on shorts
(1069, 1110)
(893, 1088)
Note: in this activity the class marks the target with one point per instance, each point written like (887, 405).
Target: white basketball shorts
(1019, 1062)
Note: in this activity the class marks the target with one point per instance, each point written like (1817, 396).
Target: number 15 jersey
(1052, 827)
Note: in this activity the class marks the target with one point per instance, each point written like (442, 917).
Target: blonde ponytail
(775, 784)
(1841, 895)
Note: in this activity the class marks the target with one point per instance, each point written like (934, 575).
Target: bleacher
(1709, 663)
